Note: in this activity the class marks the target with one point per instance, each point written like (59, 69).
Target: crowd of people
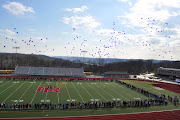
(91, 105)
(162, 98)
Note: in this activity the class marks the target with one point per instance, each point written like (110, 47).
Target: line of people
(161, 97)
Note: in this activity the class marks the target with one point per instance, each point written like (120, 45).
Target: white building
(168, 72)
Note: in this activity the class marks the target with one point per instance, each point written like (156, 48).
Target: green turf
(20, 91)
(83, 112)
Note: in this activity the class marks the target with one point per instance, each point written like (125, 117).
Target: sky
(124, 29)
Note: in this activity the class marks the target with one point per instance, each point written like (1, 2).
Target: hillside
(8, 61)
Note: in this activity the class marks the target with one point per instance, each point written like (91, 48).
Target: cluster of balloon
(33, 45)
(117, 40)
(161, 32)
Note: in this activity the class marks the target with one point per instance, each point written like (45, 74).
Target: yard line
(35, 94)
(68, 92)
(5, 83)
(117, 93)
(46, 93)
(97, 92)
(25, 91)
(57, 93)
(105, 91)
(14, 92)
(78, 92)
(87, 92)
(7, 88)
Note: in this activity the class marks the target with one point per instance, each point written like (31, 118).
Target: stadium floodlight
(84, 52)
(16, 53)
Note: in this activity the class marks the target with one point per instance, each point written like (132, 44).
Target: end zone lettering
(46, 89)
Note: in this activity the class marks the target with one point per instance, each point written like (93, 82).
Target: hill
(96, 60)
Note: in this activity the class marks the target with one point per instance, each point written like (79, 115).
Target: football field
(50, 91)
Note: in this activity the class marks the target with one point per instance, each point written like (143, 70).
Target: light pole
(83, 52)
(16, 53)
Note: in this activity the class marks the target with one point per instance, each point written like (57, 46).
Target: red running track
(170, 87)
(159, 115)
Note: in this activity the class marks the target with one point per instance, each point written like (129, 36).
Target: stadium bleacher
(49, 71)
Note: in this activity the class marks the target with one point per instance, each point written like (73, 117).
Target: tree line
(8, 61)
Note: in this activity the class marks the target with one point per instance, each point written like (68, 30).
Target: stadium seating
(22, 70)
(48, 71)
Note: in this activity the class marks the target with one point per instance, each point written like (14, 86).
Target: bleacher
(48, 71)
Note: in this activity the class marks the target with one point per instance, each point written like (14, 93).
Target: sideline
(76, 110)
(95, 115)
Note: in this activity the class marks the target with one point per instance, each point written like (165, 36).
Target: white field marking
(1, 81)
(78, 92)
(5, 83)
(24, 92)
(72, 100)
(137, 98)
(117, 93)
(57, 92)
(97, 92)
(158, 88)
(17, 100)
(88, 92)
(93, 83)
(47, 92)
(128, 93)
(79, 83)
(68, 92)
(94, 99)
(32, 82)
(35, 94)
(106, 91)
(147, 88)
(7, 88)
(116, 99)
(16, 82)
(64, 82)
(48, 82)
(45, 100)
(106, 83)
(14, 92)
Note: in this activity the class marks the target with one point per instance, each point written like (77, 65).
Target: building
(170, 72)
(116, 74)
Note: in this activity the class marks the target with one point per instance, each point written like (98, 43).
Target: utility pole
(16, 53)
